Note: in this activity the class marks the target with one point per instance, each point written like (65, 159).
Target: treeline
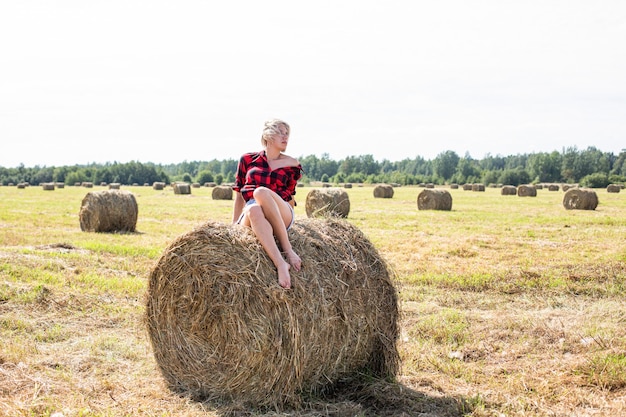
(590, 167)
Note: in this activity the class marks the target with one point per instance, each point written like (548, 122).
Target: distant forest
(590, 168)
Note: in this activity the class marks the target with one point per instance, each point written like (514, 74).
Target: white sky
(167, 81)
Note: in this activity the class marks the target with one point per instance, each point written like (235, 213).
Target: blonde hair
(271, 127)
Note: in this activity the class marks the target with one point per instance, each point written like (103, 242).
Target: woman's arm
(238, 206)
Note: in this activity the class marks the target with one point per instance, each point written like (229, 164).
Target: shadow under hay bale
(508, 190)
(527, 190)
(383, 191)
(613, 188)
(181, 188)
(222, 329)
(222, 192)
(434, 199)
(580, 199)
(108, 211)
(327, 202)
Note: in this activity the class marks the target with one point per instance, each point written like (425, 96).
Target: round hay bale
(222, 192)
(181, 188)
(454, 186)
(478, 187)
(232, 334)
(430, 185)
(508, 190)
(48, 186)
(527, 190)
(434, 199)
(347, 185)
(20, 185)
(467, 187)
(114, 186)
(195, 185)
(210, 184)
(59, 184)
(567, 187)
(539, 186)
(580, 199)
(327, 202)
(613, 188)
(383, 191)
(553, 187)
(87, 184)
(108, 211)
(157, 185)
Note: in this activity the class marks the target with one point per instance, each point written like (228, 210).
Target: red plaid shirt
(254, 171)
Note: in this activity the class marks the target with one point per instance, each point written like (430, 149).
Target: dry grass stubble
(510, 307)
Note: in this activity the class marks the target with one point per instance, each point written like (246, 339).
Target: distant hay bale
(478, 187)
(508, 190)
(114, 186)
(195, 185)
(181, 188)
(108, 211)
(210, 184)
(47, 186)
(527, 190)
(222, 192)
(328, 202)
(87, 184)
(553, 187)
(567, 187)
(220, 333)
(158, 185)
(430, 185)
(613, 188)
(434, 199)
(59, 184)
(383, 191)
(20, 185)
(454, 186)
(580, 199)
(467, 187)
(347, 185)
(538, 186)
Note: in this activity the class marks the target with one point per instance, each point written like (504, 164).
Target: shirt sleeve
(240, 178)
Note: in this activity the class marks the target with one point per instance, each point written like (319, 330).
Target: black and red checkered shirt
(254, 171)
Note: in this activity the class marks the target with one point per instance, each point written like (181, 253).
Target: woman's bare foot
(284, 279)
(293, 259)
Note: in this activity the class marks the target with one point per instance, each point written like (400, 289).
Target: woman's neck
(272, 155)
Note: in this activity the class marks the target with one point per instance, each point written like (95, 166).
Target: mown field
(511, 306)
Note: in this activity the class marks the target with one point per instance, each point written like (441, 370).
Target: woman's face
(281, 138)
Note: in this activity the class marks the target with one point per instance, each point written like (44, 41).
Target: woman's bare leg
(263, 230)
(279, 214)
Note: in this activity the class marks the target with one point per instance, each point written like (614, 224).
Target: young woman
(264, 189)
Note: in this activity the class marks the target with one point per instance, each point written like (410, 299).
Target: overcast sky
(167, 81)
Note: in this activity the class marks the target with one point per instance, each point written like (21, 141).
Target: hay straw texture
(508, 190)
(383, 191)
(222, 329)
(613, 188)
(580, 199)
(222, 192)
(108, 211)
(527, 190)
(327, 202)
(434, 199)
(181, 188)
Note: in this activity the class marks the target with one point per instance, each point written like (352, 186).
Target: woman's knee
(255, 213)
(262, 194)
